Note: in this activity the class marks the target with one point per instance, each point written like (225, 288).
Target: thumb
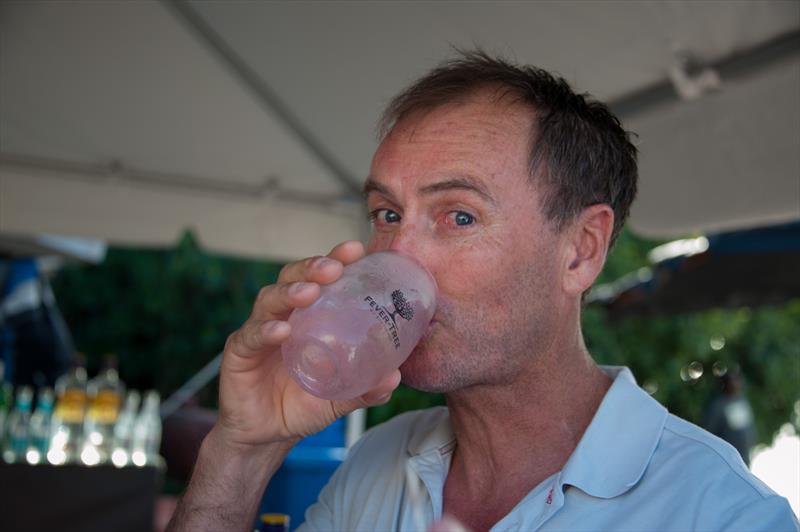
(447, 524)
(377, 396)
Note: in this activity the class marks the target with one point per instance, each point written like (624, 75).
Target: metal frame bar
(267, 96)
(738, 65)
(115, 171)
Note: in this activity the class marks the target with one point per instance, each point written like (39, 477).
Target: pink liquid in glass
(362, 327)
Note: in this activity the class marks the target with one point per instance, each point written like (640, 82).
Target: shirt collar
(434, 433)
(617, 446)
(613, 453)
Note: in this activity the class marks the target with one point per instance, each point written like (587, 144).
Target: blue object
(18, 273)
(332, 436)
(746, 268)
(304, 473)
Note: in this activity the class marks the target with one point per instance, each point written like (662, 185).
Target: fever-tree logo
(401, 306)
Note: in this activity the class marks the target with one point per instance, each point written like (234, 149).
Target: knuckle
(286, 269)
(231, 340)
(252, 337)
(264, 293)
(292, 269)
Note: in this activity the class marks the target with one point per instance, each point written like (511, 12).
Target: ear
(587, 245)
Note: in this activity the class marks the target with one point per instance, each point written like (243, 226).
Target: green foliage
(165, 313)
(763, 342)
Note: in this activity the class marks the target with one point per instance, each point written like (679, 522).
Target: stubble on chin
(430, 368)
(482, 348)
(447, 361)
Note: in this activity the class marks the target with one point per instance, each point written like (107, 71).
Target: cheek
(494, 277)
(469, 277)
(378, 242)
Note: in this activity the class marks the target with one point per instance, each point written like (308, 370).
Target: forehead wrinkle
(466, 183)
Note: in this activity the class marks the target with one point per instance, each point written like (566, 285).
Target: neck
(545, 412)
(512, 436)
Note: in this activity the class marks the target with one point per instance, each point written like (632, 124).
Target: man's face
(451, 188)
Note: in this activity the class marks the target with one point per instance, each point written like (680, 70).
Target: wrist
(222, 445)
(228, 480)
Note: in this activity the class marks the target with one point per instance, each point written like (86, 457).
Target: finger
(321, 270)
(382, 393)
(255, 337)
(277, 301)
(379, 395)
(298, 282)
(347, 252)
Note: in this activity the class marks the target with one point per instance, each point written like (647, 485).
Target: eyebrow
(370, 186)
(458, 183)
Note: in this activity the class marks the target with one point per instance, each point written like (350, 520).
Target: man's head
(465, 182)
(578, 149)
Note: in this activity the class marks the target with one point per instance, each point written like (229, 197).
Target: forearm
(226, 486)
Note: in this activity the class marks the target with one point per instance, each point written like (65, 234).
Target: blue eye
(384, 216)
(463, 218)
(390, 216)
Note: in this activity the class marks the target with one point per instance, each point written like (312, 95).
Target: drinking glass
(362, 327)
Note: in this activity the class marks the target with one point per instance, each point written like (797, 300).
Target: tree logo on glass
(402, 308)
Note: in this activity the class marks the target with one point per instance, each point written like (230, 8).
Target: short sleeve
(325, 515)
(771, 514)
(319, 516)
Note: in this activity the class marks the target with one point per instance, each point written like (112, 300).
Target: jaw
(418, 370)
(436, 364)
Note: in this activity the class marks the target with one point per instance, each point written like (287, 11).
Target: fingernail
(323, 262)
(274, 328)
(271, 327)
(297, 288)
(385, 397)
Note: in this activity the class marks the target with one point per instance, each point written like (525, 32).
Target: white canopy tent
(253, 122)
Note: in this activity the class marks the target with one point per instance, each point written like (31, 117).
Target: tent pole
(208, 373)
(268, 97)
(741, 64)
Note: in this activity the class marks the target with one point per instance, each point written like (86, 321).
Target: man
(510, 189)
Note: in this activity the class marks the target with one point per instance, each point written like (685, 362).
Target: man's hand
(262, 411)
(259, 402)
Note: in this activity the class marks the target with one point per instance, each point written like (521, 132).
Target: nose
(406, 239)
(412, 240)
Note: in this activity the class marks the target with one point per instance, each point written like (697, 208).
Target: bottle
(19, 426)
(123, 430)
(274, 523)
(104, 394)
(40, 427)
(147, 432)
(69, 414)
(362, 327)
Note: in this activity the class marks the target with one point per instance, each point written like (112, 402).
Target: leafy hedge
(165, 313)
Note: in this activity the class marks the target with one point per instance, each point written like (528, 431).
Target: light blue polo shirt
(636, 468)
